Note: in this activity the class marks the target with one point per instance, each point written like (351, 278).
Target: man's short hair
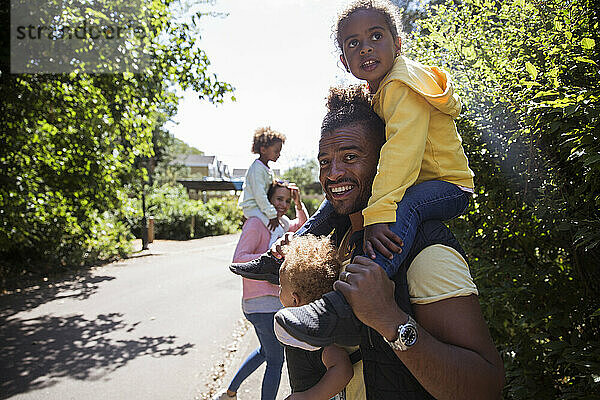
(350, 105)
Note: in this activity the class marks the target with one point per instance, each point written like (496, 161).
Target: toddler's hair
(386, 8)
(312, 265)
(265, 137)
(349, 105)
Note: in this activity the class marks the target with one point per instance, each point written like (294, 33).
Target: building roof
(213, 185)
(239, 172)
(194, 160)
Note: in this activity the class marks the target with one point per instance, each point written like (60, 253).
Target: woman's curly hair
(349, 105)
(265, 137)
(312, 265)
(389, 11)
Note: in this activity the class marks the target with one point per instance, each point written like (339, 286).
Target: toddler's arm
(339, 373)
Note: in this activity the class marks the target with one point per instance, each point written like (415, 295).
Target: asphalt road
(164, 325)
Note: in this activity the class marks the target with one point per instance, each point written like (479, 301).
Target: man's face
(348, 162)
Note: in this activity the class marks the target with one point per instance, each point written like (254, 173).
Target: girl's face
(271, 153)
(281, 199)
(368, 46)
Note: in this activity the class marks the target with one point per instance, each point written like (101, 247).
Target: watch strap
(399, 343)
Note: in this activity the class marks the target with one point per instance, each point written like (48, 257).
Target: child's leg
(428, 200)
(255, 212)
(319, 223)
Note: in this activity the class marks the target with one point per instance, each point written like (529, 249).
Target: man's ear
(343, 60)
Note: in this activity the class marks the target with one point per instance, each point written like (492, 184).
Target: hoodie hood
(432, 83)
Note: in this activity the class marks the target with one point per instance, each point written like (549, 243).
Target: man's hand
(276, 248)
(273, 224)
(380, 237)
(370, 293)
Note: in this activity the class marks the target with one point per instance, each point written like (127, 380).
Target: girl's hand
(273, 224)
(276, 248)
(379, 237)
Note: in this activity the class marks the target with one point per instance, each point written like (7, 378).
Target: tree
(528, 75)
(70, 144)
(305, 175)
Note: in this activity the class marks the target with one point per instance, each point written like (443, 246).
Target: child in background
(254, 201)
(311, 266)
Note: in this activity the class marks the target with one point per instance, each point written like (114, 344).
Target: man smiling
(423, 337)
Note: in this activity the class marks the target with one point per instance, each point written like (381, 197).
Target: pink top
(253, 242)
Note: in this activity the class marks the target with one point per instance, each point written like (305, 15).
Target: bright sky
(280, 57)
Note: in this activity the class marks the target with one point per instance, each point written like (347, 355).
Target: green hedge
(528, 76)
(99, 238)
(176, 217)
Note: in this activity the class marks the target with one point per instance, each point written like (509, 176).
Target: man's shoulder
(434, 232)
(437, 273)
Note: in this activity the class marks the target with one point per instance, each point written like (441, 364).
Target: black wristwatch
(407, 336)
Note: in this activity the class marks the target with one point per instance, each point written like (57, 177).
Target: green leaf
(593, 159)
(546, 93)
(588, 43)
(533, 72)
(585, 60)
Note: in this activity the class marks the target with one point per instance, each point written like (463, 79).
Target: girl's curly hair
(349, 105)
(265, 137)
(312, 265)
(389, 11)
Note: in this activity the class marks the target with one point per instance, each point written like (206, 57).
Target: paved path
(165, 325)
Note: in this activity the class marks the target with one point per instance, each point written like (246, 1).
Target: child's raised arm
(338, 375)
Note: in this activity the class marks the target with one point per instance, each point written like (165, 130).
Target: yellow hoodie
(418, 105)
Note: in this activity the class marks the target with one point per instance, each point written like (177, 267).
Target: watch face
(408, 335)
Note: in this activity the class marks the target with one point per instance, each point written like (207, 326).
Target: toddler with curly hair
(310, 267)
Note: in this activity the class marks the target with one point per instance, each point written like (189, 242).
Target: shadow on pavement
(35, 353)
(77, 287)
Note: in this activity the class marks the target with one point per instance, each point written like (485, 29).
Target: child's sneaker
(222, 395)
(325, 321)
(264, 268)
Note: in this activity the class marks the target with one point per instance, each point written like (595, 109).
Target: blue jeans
(422, 202)
(270, 350)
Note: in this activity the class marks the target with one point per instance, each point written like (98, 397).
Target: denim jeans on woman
(270, 350)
